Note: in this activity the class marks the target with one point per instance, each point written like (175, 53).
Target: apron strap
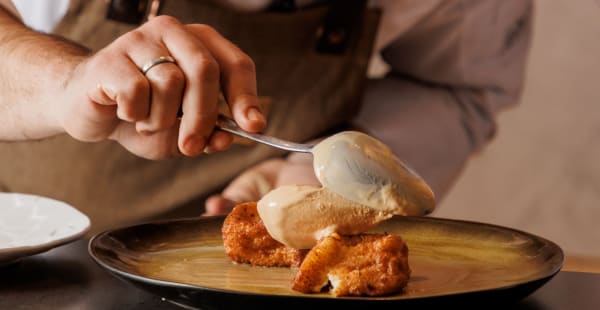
(339, 25)
(132, 12)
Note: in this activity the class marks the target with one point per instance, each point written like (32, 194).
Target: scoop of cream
(360, 168)
(363, 182)
(298, 216)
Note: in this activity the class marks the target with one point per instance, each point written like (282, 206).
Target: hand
(255, 182)
(108, 97)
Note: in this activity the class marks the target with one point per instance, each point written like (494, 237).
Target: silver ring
(157, 61)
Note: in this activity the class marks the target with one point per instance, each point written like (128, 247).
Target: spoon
(226, 124)
(357, 167)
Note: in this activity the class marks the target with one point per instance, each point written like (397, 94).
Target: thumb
(216, 205)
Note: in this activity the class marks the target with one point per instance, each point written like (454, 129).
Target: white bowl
(32, 224)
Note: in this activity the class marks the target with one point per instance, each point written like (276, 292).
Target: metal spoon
(338, 163)
(229, 125)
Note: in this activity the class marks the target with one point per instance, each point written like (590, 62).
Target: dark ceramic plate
(452, 262)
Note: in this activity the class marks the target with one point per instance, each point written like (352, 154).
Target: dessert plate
(32, 224)
(452, 262)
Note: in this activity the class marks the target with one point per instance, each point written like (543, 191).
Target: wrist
(65, 72)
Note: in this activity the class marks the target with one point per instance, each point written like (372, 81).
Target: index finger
(238, 78)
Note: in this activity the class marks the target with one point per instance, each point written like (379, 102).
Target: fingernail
(254, 115)
(209, 150)
(194, 145)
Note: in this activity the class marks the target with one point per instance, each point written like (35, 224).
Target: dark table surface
(67, 278)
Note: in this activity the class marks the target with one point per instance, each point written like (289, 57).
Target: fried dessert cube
(246, 240)
(357, 265)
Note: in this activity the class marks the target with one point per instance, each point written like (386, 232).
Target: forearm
(35, 68)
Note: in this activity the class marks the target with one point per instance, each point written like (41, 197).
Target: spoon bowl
(357, 167)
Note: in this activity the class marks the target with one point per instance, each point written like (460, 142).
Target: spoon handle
(229, 125)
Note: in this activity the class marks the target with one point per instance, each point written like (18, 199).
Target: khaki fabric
(310, 93)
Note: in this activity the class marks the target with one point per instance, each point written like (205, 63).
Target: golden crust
(359, 265)
(246, 240)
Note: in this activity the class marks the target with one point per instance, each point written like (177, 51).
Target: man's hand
(255, 182)
(107, 95)
(50, 86)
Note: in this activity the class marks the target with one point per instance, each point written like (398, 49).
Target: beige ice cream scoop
(299, 215)
(363, 184)
(360, 168)
(357, 167)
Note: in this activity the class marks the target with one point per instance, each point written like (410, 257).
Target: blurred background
(541, 174)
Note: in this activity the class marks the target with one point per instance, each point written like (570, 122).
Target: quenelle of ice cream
(364, 183)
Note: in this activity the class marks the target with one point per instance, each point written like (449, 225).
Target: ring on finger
(157, 61)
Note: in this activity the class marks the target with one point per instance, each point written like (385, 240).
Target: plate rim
(176, 285)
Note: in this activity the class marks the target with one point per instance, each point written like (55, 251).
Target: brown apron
(311, 92)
